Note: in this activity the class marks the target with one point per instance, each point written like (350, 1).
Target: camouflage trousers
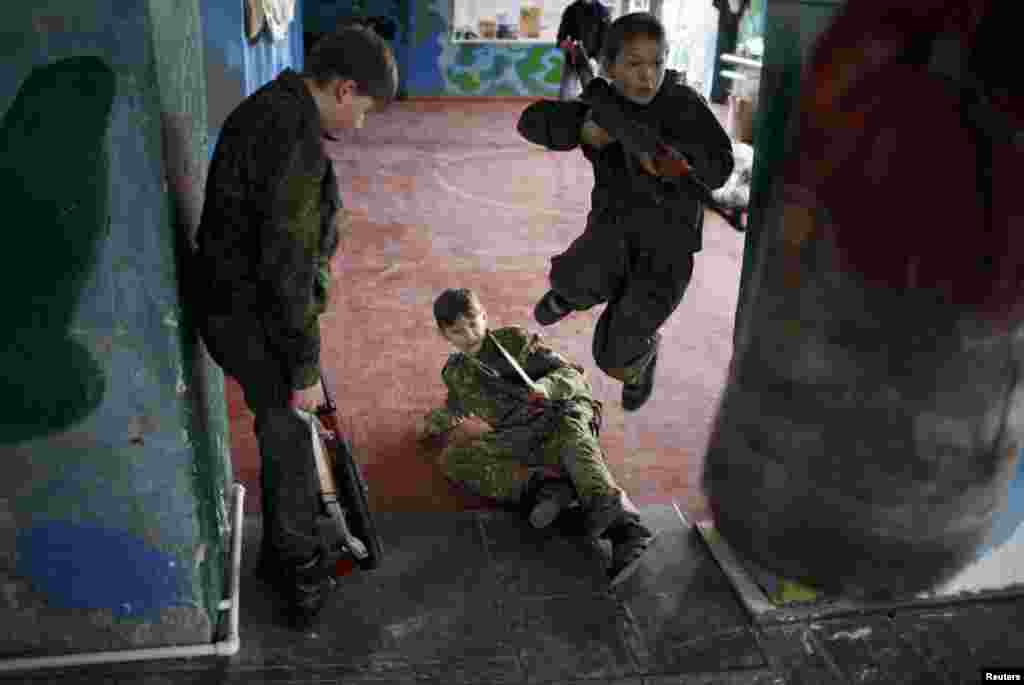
(288, 478)
(494, 466)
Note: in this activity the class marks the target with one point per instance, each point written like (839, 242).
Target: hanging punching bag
(874, 411)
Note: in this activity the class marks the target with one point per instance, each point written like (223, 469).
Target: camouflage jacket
(268, 228)
(487, 387)
(678, 117)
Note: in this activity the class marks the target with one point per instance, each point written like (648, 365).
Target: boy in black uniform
(261, 276)
(644, 131)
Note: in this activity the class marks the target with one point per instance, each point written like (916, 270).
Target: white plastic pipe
(227, 647)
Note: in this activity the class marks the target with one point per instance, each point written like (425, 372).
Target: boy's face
(467, 334)
(640, 69)
(347, 109)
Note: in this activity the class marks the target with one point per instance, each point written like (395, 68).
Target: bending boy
(547, 420)
(269, 227)
(644, 131)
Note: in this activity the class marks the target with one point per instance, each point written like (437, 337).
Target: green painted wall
(113, 522)
(791, 27)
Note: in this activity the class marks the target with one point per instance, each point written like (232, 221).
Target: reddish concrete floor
(448, 195)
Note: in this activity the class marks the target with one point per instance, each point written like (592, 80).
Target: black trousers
(288, 477)
(640, 266)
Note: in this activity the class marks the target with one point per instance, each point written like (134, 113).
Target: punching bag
(874, 409)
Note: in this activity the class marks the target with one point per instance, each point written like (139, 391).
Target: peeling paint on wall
(89, 567)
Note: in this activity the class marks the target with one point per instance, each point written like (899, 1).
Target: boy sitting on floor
(543, 417)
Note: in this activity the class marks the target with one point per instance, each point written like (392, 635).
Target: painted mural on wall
(477, 69)
(431, 65)
(50, 381)
(111, 519)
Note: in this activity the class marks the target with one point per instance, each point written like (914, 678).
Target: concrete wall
(237, 67)
(112, 506)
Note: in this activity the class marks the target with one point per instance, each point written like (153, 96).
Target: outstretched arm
(552, 124)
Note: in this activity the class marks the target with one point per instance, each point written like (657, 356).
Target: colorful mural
(431, 65)
(478, 69)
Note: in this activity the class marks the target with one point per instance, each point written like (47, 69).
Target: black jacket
(587, 23)
(677, 116)
(267, 231)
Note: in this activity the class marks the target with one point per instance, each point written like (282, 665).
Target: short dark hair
(357, 53)
(627, 27)
(453, 303)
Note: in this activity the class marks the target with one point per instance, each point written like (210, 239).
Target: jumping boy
(545, 421)
(643, 131)
(269, 227)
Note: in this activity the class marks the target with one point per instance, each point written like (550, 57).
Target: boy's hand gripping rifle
(669, 163)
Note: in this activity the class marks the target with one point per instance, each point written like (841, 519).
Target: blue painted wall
(430, 65)
(112, 520)
(236, 67)
(322, 16)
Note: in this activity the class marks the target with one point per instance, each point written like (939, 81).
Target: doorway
(692, 28)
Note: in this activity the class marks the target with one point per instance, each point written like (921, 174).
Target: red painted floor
(448, 195)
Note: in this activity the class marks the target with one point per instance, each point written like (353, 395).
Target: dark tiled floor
(479, 598)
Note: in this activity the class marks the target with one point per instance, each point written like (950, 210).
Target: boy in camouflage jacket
(261, 278)
(549, 426)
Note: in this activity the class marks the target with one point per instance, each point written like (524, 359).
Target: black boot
(309, 588)
(606, 511)
(304, 587)
(553, 496)
(630, 539)
(634, 395)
